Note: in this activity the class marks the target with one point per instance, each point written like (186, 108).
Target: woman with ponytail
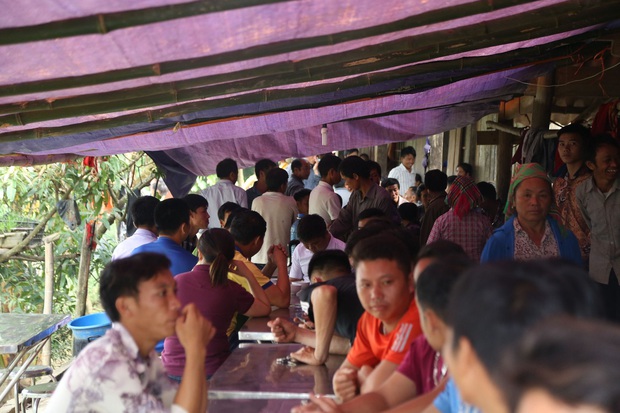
(217, 298)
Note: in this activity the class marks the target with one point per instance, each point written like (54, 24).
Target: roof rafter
(436, 16)
(443, 69)
(107, 22)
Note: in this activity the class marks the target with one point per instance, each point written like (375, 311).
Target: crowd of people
(442, 297)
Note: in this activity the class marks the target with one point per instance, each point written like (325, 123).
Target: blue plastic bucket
(88, 328)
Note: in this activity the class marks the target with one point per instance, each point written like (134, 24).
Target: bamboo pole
(83, 274)
(149, 116)
(107, 22)
(541, 22)
(517, 131)
(48, 302)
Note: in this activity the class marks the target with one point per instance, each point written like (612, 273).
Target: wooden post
(445, 147)
(541, 110)
(84, 271)
(381, 157)
(48, 303)
(504, 156)
(470, 145)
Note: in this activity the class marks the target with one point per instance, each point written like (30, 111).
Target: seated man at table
(422, 371)
(172, 220)
(314, 237)
(384, 281)
(120, 372)
(248, 228)
(333, 308)
(143, 216)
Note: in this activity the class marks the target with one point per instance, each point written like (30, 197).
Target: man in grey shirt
(365, 194)
(599, 201)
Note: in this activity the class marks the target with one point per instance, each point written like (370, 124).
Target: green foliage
(31, 193)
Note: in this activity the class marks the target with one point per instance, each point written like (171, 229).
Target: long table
(25, 333)
(252, 373)
(256, 329)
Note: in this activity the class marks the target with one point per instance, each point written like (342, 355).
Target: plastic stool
(32, 372)
(36, 393)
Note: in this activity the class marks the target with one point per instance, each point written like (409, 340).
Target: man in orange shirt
(385, 287)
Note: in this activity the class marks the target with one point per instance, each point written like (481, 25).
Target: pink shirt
(422, 365)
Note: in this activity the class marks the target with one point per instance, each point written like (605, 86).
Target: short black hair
(389, 182)
(232, 216)
(170, 214)
(297, 164)
(418, 178)
(263, 165)
(225, 167)
(354, 165)
(440, 249)
(467, 168)
(327, 163)
(575, 361)
(576, 128)
(434, 285)
(418, 192)
(226, 207)
(493, 305)
(359, 234)
(350, 151)
(409, 211)
(329, 261)
(247, 225)
(301, 194)
(374, 165)
(407, 150)
(383, 246)
(311, 227)
(276, 177)
(596, 143)
(435, 180)
(371, 213)
(487, 190)
(122, 277)
(451, 179)
(195, 201)
(143, 211)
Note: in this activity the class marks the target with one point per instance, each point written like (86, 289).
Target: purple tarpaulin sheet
(242, 131)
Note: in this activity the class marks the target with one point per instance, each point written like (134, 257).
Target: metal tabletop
(19, 331)
(251, 372)
(22, 334)
(253, 405)
(256, 329)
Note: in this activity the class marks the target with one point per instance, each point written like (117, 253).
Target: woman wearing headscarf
(531, 229)
(464, 223)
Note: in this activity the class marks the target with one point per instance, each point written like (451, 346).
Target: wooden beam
(107, 22)
(492, 138)
(309, 70)
(537, 23)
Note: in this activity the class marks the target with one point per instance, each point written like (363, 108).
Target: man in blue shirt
(172, 220)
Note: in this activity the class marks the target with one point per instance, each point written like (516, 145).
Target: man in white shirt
(313, 237)
(224, 190)
(323, 200)
(143, 216)
(405, 172)
(278, 210)
(120, 372)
